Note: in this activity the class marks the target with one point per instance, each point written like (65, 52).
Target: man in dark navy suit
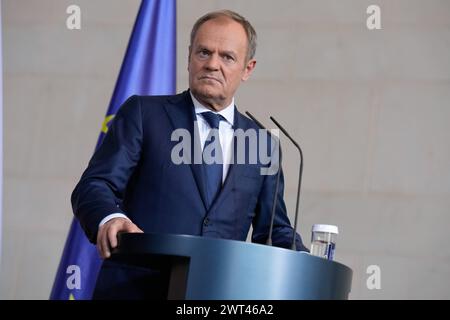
(133, 184)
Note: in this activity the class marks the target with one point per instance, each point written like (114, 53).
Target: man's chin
(208, 96)
(206, 93)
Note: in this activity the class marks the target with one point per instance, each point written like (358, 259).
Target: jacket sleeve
(101, 187)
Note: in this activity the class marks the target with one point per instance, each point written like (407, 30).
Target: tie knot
(213, 119)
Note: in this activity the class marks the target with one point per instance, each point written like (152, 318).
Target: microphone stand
(274, 205)
(293, 246)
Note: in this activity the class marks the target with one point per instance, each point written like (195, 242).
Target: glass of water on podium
(323, 240)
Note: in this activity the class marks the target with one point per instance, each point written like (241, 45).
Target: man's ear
(189, 57)
(249, 67)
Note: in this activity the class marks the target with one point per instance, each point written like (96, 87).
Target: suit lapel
(182, 115)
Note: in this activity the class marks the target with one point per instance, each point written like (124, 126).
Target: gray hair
(249, 30)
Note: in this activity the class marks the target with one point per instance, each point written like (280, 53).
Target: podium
(217, 269)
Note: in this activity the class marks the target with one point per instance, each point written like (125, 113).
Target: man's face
(217, 62)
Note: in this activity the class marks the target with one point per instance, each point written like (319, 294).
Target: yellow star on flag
(106, 122)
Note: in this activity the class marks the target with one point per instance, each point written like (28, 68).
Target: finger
(99, 241)
(105, 244)
(99, 248)
(139, 230)
(112, 236)
(131, 227)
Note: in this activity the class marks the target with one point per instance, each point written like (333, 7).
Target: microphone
(294, 230)
(275, 198)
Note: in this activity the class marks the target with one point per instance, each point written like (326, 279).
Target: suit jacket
(132, 173)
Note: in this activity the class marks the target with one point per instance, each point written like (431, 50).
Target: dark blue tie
(213, 170)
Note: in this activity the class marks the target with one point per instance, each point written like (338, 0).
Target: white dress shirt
(225, 135)
(225, 131)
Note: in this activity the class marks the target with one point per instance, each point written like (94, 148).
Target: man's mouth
(210, 78)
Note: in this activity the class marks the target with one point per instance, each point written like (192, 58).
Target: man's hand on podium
(107, 234)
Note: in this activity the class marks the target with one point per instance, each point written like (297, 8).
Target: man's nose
(212, 63)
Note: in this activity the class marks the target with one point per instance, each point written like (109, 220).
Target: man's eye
(229, 58)
(203, 53)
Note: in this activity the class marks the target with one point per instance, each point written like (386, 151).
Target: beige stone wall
(370, 109)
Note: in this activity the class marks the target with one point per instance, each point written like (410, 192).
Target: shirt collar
(227, 113)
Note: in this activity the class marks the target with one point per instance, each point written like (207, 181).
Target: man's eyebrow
(229, 52)
(201, 46)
